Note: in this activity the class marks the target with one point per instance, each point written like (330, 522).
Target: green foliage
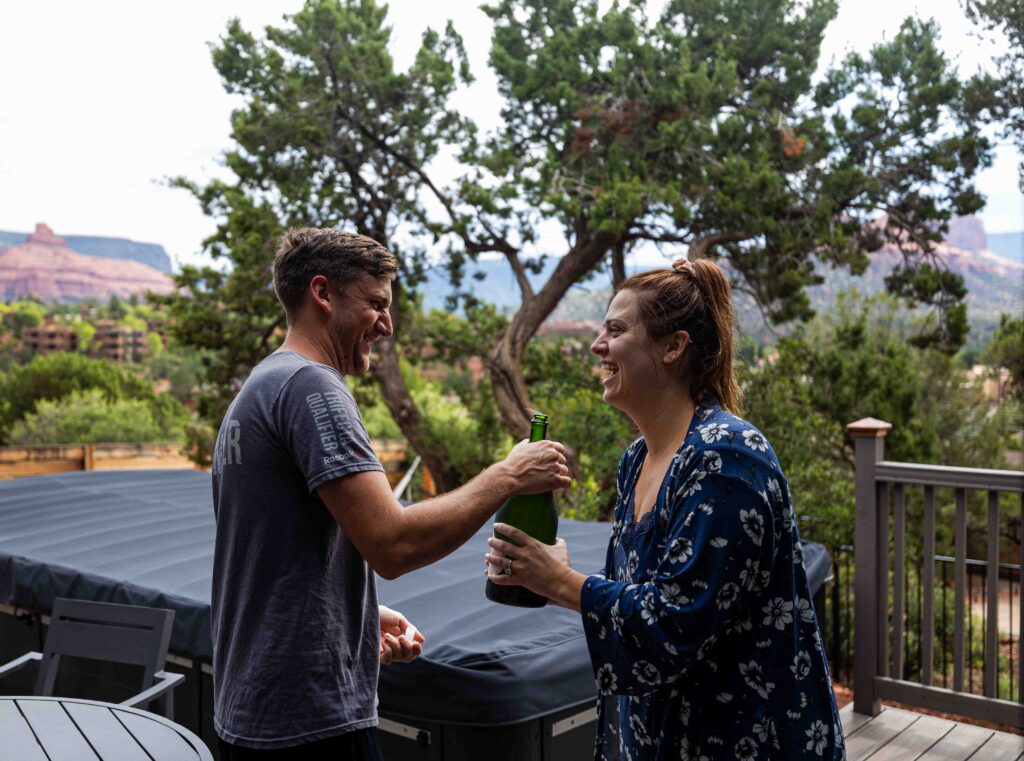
(859, 363)
(132, 322)
(1005, 18)
(85, 333)
(90, 417)
(328, 134)
(564, 385)
(232, 318)
(54, 376)
(455, 338)
(467, 429)
(376, 417)
(701, 128)
(117, 309)
(184, 369)
(1007, 350)
(810, 447)
(22, 314)
(155, 343)
(698, 128)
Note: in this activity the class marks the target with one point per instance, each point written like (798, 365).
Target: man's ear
(676, 347)
(320, 291)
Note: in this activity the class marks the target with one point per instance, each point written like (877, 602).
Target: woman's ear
(676, 347)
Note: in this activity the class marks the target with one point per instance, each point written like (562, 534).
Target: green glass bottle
(536, 515)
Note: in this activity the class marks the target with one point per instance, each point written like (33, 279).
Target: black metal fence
(836, 621)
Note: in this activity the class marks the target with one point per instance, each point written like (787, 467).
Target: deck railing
(880, 598)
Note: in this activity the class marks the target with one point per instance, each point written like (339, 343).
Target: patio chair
(128, 634)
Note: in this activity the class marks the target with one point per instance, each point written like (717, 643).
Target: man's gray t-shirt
(296, 631)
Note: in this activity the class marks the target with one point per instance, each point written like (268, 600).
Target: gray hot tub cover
(146, 538)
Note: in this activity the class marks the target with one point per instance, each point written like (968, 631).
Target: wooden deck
(898, 735)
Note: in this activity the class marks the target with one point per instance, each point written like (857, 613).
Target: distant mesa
(151, 254)
(967, 234)
(45, 266)
(43, 236)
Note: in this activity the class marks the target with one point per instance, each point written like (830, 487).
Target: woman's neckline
(639, 519)
(700, 413)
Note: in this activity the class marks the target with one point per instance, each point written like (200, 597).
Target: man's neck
(309, 346)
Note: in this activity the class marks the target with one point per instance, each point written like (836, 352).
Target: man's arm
(395, 540)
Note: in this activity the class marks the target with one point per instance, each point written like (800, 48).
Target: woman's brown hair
(695, 297)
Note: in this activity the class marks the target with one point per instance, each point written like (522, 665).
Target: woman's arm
(718, 549)
(718, 545)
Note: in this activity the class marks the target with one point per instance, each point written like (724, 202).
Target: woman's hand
(400, 641)
(541, 568)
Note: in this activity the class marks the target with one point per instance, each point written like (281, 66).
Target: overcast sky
(100, 100)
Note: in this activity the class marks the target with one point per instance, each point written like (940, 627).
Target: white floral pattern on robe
(701, 629)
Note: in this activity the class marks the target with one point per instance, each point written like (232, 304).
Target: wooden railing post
(871, 565)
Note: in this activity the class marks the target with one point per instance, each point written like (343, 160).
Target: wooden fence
(880, 611)
(16, 462)
(34, 461)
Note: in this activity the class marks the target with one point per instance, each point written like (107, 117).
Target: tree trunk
(405, 413)
(618, 264)
(387, 372)
(507, 381)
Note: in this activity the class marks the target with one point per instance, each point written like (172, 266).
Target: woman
(701, 632)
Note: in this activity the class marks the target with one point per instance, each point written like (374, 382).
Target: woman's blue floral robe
(701, 631)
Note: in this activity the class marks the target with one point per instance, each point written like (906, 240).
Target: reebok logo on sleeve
(329, 414)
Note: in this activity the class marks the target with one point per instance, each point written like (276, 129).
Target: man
(305, 516)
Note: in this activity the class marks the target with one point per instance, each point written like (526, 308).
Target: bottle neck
(538, 430)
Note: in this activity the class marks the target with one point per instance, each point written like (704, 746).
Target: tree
(699, 130)
(90, 417)
(1005, 17)
(116, 308)
(856, 363)
(1007, 350)
(702, 130)
(22, 314)
(329, 134)
(85, 332)
(55, 376)
(184, 370)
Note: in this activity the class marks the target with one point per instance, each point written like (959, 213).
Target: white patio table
(69, 729)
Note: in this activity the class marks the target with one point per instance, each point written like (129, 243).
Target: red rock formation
(44, 236)
(44, 267)
(967, 233)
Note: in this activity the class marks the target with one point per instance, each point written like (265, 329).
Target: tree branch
(265, 338)
(699, 247)
(618, 263)
(520, 272)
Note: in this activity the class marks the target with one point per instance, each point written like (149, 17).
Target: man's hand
(538, 467)
(400, 641)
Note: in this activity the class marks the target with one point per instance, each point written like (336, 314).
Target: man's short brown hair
(339, 256)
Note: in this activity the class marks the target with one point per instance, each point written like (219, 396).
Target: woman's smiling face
(629, 365)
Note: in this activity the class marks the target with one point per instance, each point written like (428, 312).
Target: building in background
(49, 338)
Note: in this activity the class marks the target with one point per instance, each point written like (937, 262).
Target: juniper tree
(710, 130)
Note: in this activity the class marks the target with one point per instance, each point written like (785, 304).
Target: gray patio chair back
(108, 632)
